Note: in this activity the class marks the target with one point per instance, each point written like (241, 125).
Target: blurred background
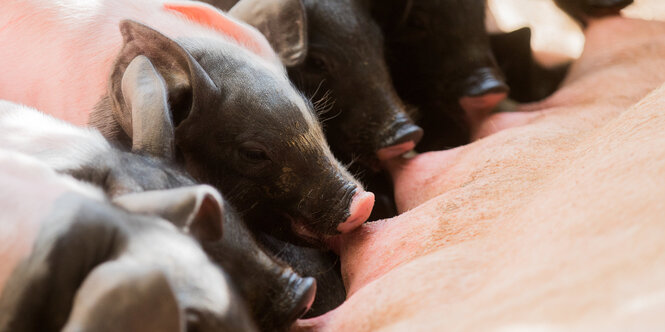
(555, 36)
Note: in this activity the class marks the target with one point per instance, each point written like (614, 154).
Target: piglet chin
(360, 209)
(395, 150)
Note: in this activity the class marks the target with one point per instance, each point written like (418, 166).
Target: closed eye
(254, 155)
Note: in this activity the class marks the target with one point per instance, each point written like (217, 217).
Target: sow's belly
(552, 220)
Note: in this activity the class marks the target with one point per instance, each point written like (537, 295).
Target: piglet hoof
(361, 208)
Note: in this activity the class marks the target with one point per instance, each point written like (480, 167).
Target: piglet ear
(282, 22)
(146, 95)
(118, 296)
(197, 210)
(154, 84)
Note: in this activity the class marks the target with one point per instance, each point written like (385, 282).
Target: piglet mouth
(311, 238)
(306, 233)
(359, 210)
(395, 151)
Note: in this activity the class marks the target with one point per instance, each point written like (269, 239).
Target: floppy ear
(118, 296)
(153, 85)
(146, 95)
(282, 22)
(197, 210)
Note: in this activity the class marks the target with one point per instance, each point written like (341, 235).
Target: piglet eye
(254, 154)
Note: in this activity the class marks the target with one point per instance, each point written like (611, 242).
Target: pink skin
(395, 150)
(361, 208)
(546, 200)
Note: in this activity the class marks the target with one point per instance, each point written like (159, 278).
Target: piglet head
(234, 120)
(270, 158)
(345, 72)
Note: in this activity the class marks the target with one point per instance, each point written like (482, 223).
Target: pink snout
(361, 208)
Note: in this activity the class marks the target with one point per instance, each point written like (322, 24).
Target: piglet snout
(305, 292)
(485, 81)
(403, 137)
(360, 209)
(485, 90)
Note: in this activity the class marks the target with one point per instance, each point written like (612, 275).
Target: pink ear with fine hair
(213, 18)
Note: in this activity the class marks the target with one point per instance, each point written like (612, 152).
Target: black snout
(485, 81)
(304, 292)
(403, 130)
(607, 7)
(408, 133)
(399, 138)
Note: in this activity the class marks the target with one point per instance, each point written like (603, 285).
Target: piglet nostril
(360, 210)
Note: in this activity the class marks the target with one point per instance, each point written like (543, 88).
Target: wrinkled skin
(552, 219)
(440, 58)
(275, 294)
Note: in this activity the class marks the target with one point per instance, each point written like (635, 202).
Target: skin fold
(552, 219)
